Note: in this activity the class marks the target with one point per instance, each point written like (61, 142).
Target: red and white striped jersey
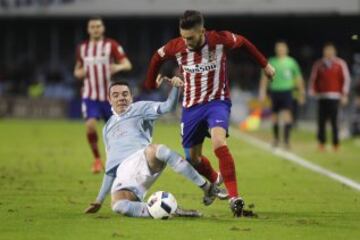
(204, 69)
(96, 58)
(329, 78)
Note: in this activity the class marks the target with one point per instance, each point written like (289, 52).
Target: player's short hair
(329, 44)
(191, 19)
(95, 18)
(120, 83)
(281, 41)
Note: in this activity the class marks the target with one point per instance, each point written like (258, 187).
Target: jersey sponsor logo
(95, 60)
(200, 68)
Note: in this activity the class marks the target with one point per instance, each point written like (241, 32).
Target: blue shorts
(281, 100)
(197, 120)
(96, 109)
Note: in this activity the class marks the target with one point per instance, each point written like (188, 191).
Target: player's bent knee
(155, 163)
(218, 142)
(150, 152)
(91, 125)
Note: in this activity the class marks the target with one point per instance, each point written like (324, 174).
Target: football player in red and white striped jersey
(97, 60)
(201, 56)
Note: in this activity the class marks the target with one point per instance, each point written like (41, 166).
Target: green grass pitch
(45, 184)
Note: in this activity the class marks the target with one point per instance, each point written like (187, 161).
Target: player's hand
(262, 97)
(159, 80)
(344, 100)
(93, 208)
(301, 100)
(269, 71)
(80, 73)
(175, 81)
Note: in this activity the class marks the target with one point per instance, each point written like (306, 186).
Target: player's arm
(346, 83)
(152, 76)
(105, 188)
(313, 79)
(79, 71)
(299, 83)
(170, 103)
(153, 110)
(121, 61)
(263, 86)
(232, 40)
(123, 65)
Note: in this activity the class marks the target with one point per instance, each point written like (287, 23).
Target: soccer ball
(161, 205)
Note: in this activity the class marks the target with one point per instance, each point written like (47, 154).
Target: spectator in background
(287, 78)
(329, 82)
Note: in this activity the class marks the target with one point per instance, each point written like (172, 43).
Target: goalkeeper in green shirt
(287, 78)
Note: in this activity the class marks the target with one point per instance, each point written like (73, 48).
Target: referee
(287, 78)
(329, 82)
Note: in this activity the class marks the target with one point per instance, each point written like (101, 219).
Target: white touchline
(295, 159)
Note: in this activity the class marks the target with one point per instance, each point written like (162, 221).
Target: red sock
(93, 139)
(205, 169)
(227, 169)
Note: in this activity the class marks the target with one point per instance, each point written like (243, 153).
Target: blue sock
(179, 165)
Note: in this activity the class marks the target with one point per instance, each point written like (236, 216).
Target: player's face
(120, 98)
(329, 52)
(193, 37)
(96, 29)
(281, 49)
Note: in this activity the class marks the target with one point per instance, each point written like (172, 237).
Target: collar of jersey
(121, 114)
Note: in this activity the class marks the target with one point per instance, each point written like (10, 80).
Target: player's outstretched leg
(227, 169)
(125, 202)
(203, 166)
(92, 138)
(287, 128)
(179, 165)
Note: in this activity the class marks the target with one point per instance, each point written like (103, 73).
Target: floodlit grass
(45, 184)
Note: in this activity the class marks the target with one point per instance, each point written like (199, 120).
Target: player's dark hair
(95, 18)
(120, 83)
(329, 44)
(281, 41)
(191, 19)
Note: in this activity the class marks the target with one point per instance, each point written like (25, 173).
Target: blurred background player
(288, 77)
(201, 56)
(330, 83)
(133, 163)
(97, 60)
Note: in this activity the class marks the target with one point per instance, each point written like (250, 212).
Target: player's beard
(199, 43)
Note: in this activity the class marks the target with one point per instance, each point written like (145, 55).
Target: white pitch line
(296, 159)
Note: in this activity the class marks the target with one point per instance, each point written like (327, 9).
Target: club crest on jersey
(212, 56)
(200, 68)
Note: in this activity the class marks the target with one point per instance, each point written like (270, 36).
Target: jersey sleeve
(149, 110)
(232, 41)
(117, 51)
(346, 77)
(165, 52)
(296, 69)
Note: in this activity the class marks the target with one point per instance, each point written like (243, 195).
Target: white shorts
(133, 174)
